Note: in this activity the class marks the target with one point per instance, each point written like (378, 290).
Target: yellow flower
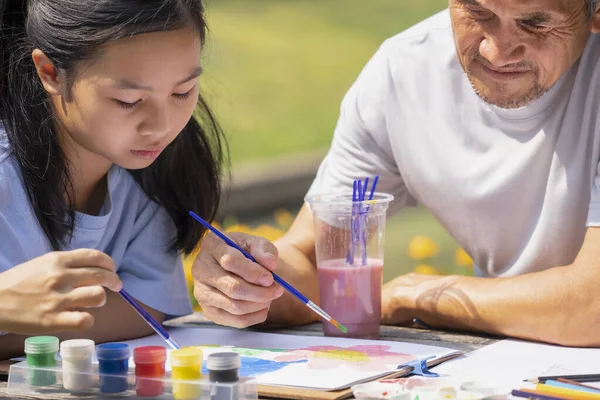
(268, 232)
(284, 218)
(188, 261)
(463, 259)
(239, 228)
(189, 280)
(215, 225)
(421, 247)
(187, 267)
(426, 270)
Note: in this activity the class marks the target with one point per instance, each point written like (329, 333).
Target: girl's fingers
(85, 297)
(94, 276)
(72, 321)
(86, 258)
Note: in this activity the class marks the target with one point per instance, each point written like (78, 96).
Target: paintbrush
(149, 320)
(277, 279)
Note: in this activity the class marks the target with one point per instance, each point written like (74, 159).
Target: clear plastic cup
(349, 246)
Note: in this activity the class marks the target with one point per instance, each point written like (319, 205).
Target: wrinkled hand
(231, 289)
(399, 297)
(48, 293)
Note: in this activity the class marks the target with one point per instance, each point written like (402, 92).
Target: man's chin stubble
(511, 102)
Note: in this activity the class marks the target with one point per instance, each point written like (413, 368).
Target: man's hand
(399, 298)
(231, 289)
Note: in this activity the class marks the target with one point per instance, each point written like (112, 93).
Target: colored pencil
(566, 393)
(576, 378)
(577, 384)
(532, 395)
(277, 279)
(149, 320)
(573, 386)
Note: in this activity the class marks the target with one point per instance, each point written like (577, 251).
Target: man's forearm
(556, 305)
(109, 326)
(296, 269)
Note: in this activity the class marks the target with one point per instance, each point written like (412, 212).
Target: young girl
(100, 162)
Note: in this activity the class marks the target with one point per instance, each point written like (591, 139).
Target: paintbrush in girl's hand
(162, 332)
(277, 279)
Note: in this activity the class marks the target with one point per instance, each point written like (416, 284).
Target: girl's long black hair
(186, 176)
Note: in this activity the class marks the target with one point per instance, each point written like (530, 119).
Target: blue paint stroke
(252, 366)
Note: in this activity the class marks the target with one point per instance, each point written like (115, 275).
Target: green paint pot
(41, 353)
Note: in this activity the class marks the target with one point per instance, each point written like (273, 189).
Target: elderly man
(488, 115)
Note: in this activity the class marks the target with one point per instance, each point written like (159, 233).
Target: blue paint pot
(113, 362)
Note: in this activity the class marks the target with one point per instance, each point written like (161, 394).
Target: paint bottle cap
(223, 361)
(113, 351)
(149, 355)
(41, 345)
(77, 348)
(187, 357)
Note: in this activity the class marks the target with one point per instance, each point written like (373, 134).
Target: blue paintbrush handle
(148, 318)
(233, 244)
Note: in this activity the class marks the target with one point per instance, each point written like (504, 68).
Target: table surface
(454, 340)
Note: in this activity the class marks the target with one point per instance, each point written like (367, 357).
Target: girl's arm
(116, 321)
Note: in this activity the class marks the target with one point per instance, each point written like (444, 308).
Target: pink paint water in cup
(349, 245)
(353, 295)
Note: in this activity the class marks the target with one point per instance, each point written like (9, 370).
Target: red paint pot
(149, 370)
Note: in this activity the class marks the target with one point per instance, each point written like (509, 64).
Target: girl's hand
(48, 293)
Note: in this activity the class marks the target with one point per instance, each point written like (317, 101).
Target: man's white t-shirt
(516, 188)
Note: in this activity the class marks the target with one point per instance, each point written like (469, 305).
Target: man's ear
(47, 72)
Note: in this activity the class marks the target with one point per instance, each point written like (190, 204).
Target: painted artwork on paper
(372, 358)
(315, 362)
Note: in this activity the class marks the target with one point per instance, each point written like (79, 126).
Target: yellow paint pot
(186, 372)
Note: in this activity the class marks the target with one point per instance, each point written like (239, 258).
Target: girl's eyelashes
(183, 96)
(126, 105)
(129, 106)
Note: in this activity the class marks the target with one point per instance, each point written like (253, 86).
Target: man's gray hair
(591, 7)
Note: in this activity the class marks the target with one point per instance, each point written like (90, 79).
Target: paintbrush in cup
(277, 279)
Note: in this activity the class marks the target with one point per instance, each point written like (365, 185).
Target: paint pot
(41, 353)
(433, 388)
(76, 358)
(186, 365)
(415, 382)
(465, 395)
(113, 365)
(149, 370)
(223, 368)
(380, 391)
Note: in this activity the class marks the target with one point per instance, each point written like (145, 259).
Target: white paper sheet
(510, 362)
(334, 364)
